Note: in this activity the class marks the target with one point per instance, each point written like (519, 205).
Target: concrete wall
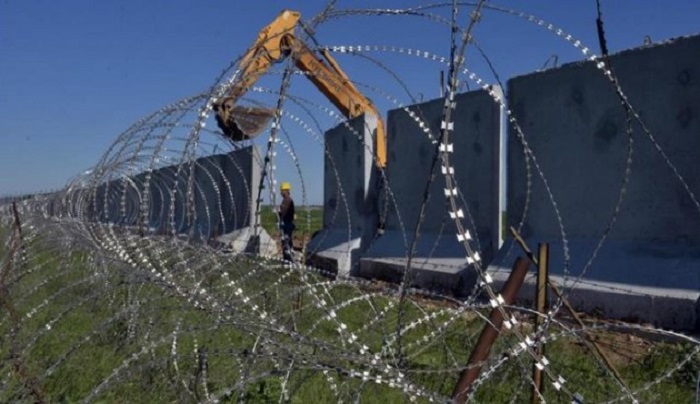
(224, 194)
(476, 140)
(575, 125)
(350, 198)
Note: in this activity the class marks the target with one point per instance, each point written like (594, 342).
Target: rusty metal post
(17, 223)
(18, 227)
(490, 332)
(542, 304)
(15, 244)
(588, 341)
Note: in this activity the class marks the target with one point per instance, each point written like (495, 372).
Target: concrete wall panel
(576, 126)
(476, 140)
(224, 195)
(349, 194)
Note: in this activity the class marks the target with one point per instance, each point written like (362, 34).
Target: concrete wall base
(245, 241)
(438, 265)
(630, 281)
(332, 251)
(444, 276)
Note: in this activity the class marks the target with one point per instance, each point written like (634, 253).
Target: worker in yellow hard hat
(286, 217)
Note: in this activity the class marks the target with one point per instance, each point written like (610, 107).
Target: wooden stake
(541, 300)
(590, 343)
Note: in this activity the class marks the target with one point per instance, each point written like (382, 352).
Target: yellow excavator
(276, 42)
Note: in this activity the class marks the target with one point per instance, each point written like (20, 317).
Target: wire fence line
(122, 286)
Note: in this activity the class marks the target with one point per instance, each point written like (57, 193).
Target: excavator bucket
(241, 122)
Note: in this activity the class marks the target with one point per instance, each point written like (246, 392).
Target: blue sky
(74, 74)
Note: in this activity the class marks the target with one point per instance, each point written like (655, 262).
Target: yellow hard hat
(285, 186)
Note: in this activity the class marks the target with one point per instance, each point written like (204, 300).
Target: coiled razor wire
(118, 288)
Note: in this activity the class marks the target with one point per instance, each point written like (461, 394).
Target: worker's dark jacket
(287, 220)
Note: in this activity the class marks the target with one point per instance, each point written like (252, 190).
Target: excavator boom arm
(337, 87)
(275, 42)
(269, 48)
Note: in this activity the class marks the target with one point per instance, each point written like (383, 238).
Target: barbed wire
(157, 274)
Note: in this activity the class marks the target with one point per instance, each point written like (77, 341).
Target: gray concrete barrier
(439, 260)
(350, 198)
(240, 189)
(221, 205)
(575, 125)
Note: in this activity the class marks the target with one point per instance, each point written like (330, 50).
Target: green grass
(308, 220)
(100, 338)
